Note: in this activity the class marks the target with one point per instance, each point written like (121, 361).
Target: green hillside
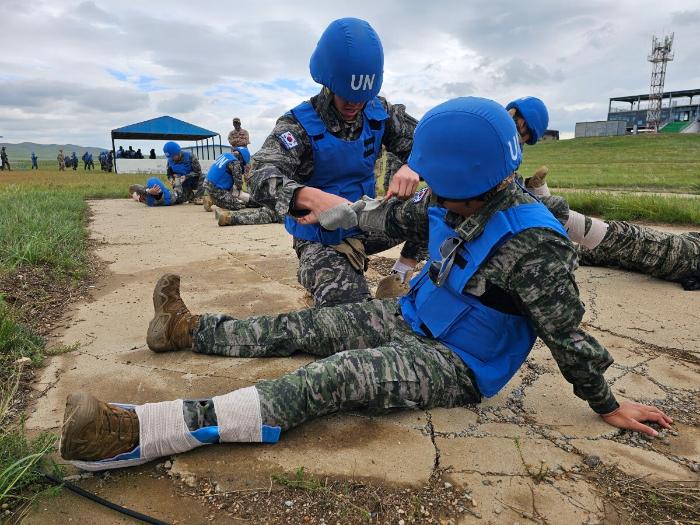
(643, 162)
(23, 150)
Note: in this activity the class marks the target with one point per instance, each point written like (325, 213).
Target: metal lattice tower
(659, 57)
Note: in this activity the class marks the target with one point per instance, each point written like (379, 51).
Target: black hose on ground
(94, 497)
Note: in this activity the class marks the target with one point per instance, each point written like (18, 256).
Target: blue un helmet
(535, 114)
(349, 60)
(245, 154)
(171, 149)
(464, 147)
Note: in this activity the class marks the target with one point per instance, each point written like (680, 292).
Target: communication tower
(659, 57)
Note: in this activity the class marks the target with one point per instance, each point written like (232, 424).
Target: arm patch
(288, 140)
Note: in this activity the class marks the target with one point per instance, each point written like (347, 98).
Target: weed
(538, 476)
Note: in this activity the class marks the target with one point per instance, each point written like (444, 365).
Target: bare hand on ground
(629, 416)
(403, 184)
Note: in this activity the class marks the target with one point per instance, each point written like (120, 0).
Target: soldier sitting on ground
(617, 244)
(224, 185)
(184, 168)
(500, 274)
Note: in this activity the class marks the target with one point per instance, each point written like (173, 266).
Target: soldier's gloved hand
(341, 216)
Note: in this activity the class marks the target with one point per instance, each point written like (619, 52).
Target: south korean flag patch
(288, 140)
(420, 195)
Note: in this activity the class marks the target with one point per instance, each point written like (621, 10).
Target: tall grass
(20, 458)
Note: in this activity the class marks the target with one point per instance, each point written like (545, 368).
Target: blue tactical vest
(341, 167)
(165, 200)
(493, 344)
(218, 175)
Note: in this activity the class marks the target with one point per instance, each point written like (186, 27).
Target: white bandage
(540, 191)
(162, 432)
(238, 415)
(576, 227)
(244, 197)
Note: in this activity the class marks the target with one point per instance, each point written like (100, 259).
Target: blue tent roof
(162, 128)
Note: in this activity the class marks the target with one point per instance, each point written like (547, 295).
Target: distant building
(551, 134)
(682, 107)
(599, 128)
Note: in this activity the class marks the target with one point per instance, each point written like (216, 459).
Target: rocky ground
(533, 454)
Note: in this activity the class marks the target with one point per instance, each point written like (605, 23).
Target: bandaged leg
(669, 256)
(588, 235)
(163, 429)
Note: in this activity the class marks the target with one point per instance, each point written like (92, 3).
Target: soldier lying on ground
(500, 274)
(156, 193)
(617, 244)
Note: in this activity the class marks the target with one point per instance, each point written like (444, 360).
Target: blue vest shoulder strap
(309, 119)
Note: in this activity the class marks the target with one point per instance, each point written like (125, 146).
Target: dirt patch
(636, 500)
(297, 497)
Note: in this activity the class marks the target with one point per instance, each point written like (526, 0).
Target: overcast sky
(71, 71)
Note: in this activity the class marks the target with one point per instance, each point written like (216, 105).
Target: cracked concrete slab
(497, 451)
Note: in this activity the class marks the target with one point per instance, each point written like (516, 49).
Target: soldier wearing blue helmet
(184, 172)
(448, 343)
(322, 153)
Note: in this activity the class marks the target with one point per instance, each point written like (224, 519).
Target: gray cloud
(41, 94)
(686, 18)
(182, 103)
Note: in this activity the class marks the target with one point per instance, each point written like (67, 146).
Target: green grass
(20, 458)
(625, 207)
(655, 163)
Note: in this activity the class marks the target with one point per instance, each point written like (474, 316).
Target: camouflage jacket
(535, 270)
(278, 170)
(235, 168)
(238, 138)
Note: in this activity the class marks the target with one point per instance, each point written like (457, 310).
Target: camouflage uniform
(673, 257)
(669, 256)
(228, 199)
(411, 249)
(278, 172)
(193, 189)
(372, 359)
(5, 160)
(61, 161)
(238, 138)
(253, 215)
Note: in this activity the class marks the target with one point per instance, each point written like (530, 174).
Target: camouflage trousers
(329, 276)
(226, 199)
(261, 215)
(371, 360)
(669, 256)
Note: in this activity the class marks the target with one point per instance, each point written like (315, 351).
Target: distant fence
(600, 128)
(151, 166)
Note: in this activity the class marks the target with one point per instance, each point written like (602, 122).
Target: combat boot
(198, 201)
(207, 202)
(138, 189)
(392, 286)
(224, 218)
(172, 324)
(537, 179)
(94, 430)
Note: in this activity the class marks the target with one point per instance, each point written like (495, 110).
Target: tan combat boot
(392, 286)
(94, 430)
(537, 179)
(224, 218)
(172, 325)
(207, 202)
(198, 201)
